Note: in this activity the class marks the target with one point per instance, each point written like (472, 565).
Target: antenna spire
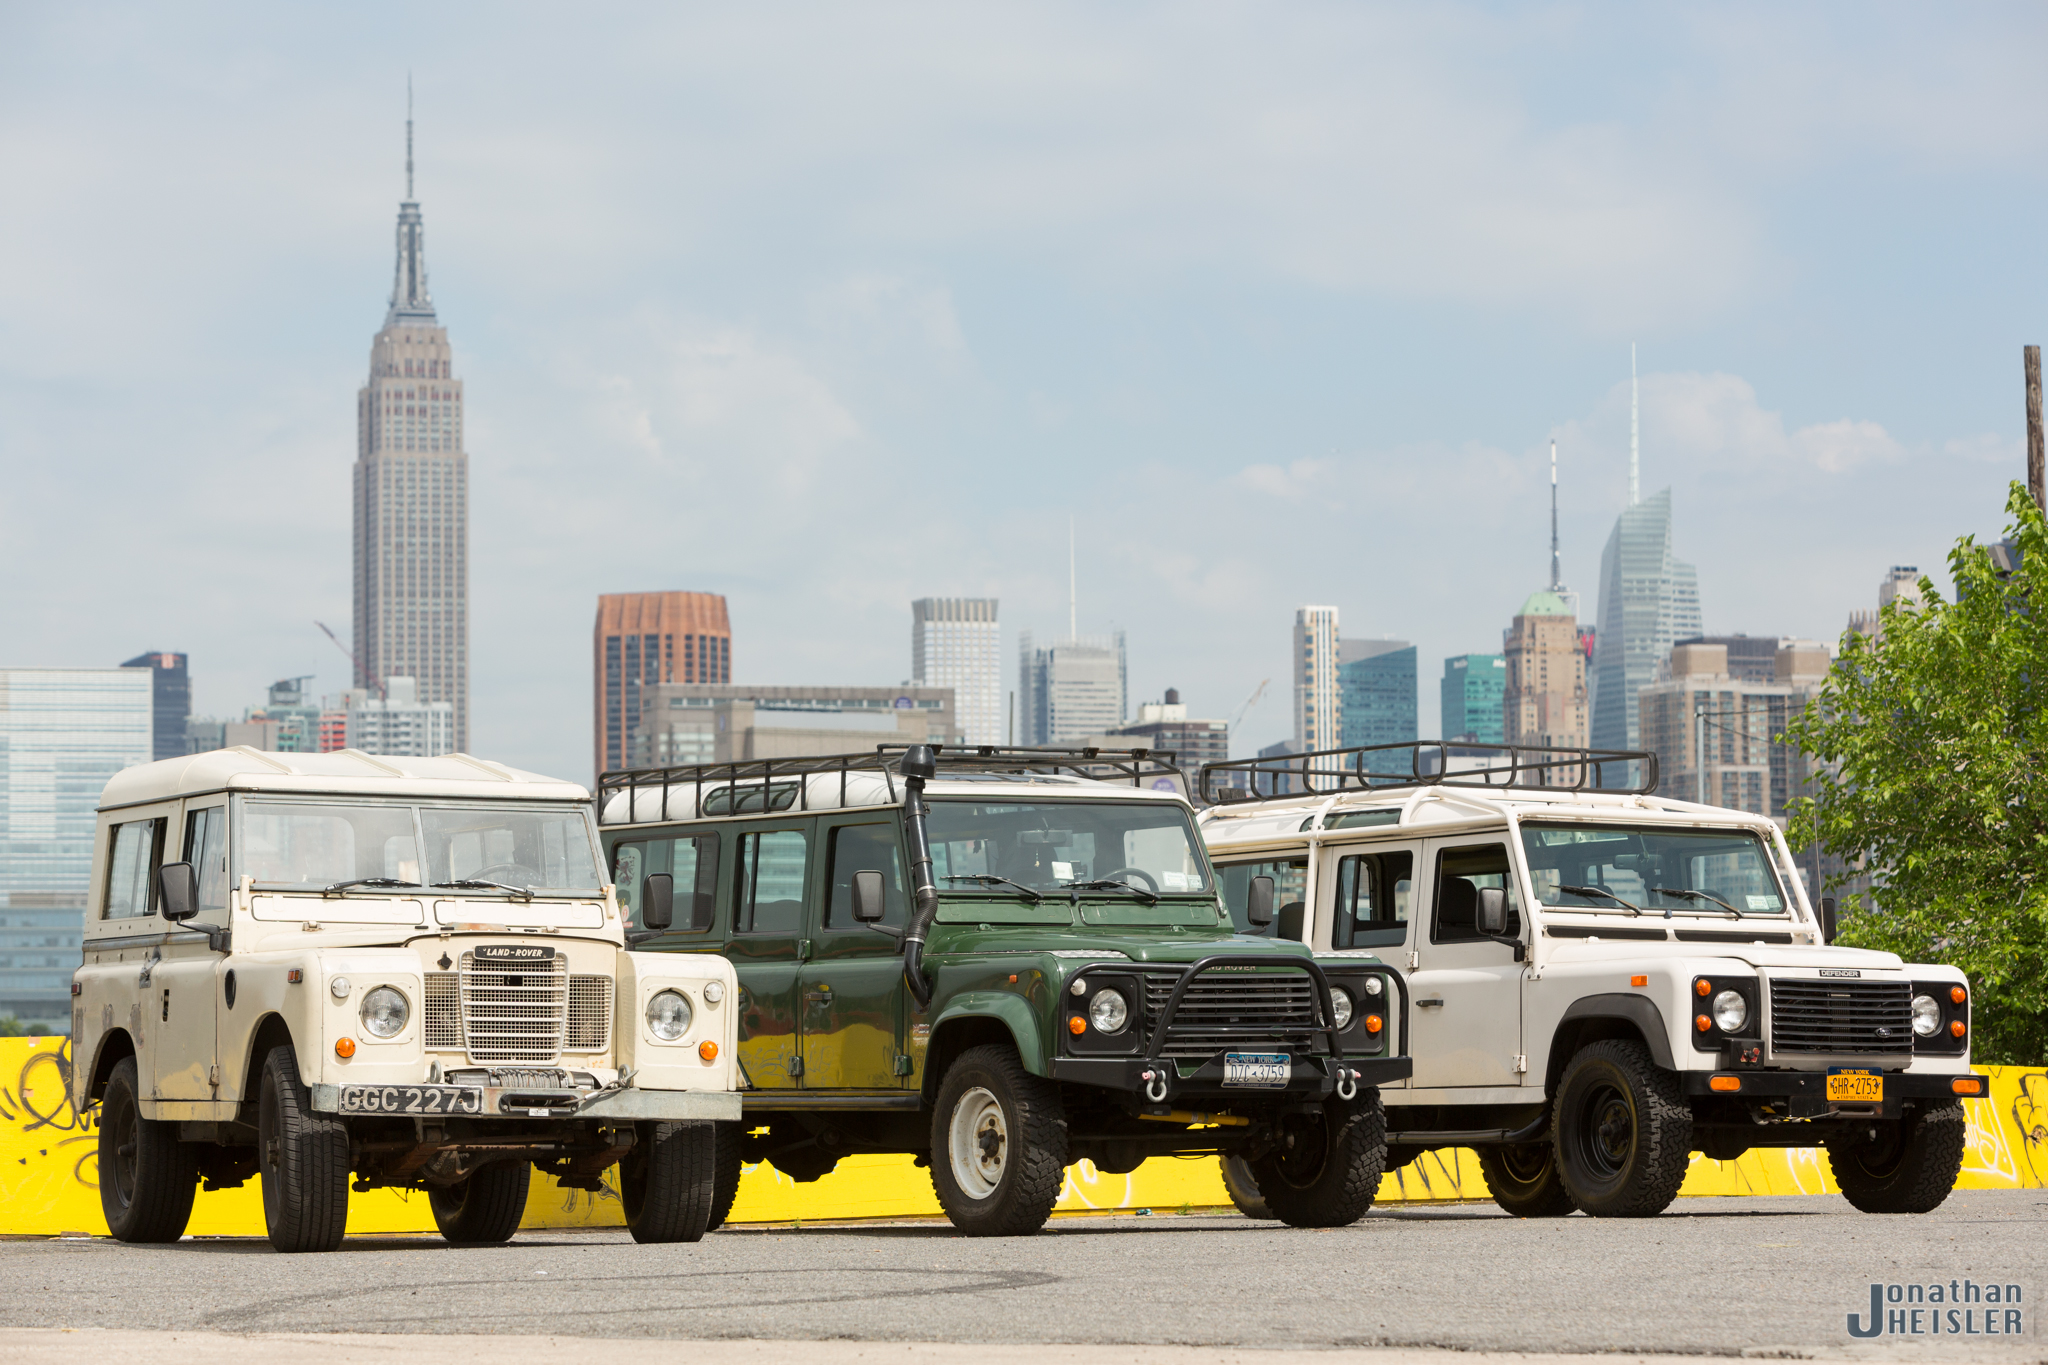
(1635, 459)
(1556, 559)
(408, 136)
(1073, 617)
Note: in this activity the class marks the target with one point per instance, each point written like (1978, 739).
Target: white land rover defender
(307, 965)
(1603, 981)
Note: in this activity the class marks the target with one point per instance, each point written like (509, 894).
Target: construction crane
(375, 684)
(1249, 702)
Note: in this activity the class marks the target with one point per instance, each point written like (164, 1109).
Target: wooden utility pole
(2037, 478)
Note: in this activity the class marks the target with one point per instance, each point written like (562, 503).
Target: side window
(768, 887)
(1461, 873)
(629, 868)
(1290, 885)
(1372, 899)
(865, 848)
(693, 863)
(206, 848)
(131, 869)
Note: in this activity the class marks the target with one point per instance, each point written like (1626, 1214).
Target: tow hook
(1155, 1085)
(1347, 1083)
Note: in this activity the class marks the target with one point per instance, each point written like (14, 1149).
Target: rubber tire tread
(725, 1168)
(1663, 1127)
(486, 1208)
(1351, 1175)
(1927, 1170)
(310, 1188)
(666, 1182)
(166, 1172)
(1037, 1168)
(1243, 1188)
(1545, 1197)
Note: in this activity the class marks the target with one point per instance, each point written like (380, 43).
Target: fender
(1636, 1009)
(1012, 1011)
(88, 1084)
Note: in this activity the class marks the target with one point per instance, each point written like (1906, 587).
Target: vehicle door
(1290, 887)
(129, 921)
(771, 878)
(1465, 990)
(852, 983)
(189, 984)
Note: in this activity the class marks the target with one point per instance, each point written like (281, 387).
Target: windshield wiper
(519, 893)
(340, 887)
(991, 879)
(1104, 884)
(1589, 892)
(1682, 894)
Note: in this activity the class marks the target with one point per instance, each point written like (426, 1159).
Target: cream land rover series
(303, 966)
(1603, 981)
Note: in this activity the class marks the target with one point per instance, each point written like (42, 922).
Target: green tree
(1932, 744)
(11, 1027)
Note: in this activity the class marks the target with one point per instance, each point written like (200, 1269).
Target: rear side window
(1461, 873)
(206, 848)
(768, 881)
(131, 869)
(1290, 885)
(865, 848)
(1372, 899)
(692, 861)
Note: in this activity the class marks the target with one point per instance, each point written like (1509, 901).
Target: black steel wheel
(1524, 1181)
(485, 1208)
(304, 1160)
(147, 1176)
(1908, 1167)
(1622, 1131)
(1325, 1170)
(665, 1182)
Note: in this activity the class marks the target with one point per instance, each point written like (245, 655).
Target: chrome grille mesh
(1835, 1016)
(441, 1015)
(590, 1014)
(514, 1011)
(1282, 1002)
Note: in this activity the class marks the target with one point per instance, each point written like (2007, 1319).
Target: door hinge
(902, 1065)
(1414, 961)
(213, 1077)
(803, 950)
(796, 1066)
(1521, 1063)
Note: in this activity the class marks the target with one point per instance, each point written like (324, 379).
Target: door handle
(1434, 1002)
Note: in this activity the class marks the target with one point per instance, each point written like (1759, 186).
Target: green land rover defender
(1003, 961)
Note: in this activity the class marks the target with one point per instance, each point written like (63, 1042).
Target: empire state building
(412, 494)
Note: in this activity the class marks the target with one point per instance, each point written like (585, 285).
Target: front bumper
(1309, 1077)
(617, 1104)
(1805, 1092)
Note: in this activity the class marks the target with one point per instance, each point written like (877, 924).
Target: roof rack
(1428, 763)
(783, 782)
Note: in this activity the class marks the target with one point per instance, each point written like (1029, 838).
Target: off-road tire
(303, 1158)
(725, 1173)
(1243, 1188)
(484, 1209)
(1330, 1174)
(1909, 1169)
(1622, 1131)
(1013, 1153)
(1524, 1181)
(146, 1191)
(665, 1182)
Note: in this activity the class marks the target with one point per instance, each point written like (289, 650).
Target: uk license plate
(1261, 1070)
(1847, 1086)
(411, 1099)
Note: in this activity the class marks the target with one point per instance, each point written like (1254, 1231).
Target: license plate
(1855, 1087)
(516, 952)
(1265, 1070)
(411, 1099)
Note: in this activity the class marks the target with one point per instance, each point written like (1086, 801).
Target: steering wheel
(512, 874)
(1140, 873)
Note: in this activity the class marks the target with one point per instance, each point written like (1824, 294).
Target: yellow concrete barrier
(49, 1171)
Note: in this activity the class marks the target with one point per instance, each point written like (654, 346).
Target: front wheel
(725, 1173)
(147, 1176)
(1524, 1180)
(665, 1182)
(1325, 1170)
(485, 1208)
(304, 1160)
(1243, 1188)
(1623, 1133)
(999, 1145)
(1909, 1167)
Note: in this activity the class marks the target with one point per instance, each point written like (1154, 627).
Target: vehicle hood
(1149, 945)
(1753, 954)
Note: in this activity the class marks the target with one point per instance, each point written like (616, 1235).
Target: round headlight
(1108, 1012)
(1731, 1011)
(668, 1015)
(1926, 1016)
(341, 987)
(1340, 1006)
(384, 1012)
(713, 992)
(1373, 987)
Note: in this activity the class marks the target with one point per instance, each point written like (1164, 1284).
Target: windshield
(538, 848)
(1668, 871)
(1047, 846)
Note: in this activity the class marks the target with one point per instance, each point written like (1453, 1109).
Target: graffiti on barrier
(37, 1108)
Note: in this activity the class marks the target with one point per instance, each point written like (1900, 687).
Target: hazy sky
(828, 307)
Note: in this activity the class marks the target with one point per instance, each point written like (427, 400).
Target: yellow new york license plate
(1855, 1087)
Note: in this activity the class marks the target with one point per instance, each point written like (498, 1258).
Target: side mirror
(657, 900)
(1827, 919)
(1491, 918)
(867, 897)
(177, 888)
(1258, 903)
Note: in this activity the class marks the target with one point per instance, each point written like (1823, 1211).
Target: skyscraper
(412, 494)
(645, 638)
(1376, 679)
(1072, 689)
(1648, 600)
(1545, 703)
(1471, 695)
(1318, 699)
(955, 642)
(170, 701)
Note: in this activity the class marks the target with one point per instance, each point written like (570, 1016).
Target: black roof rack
(1428, 763)
(781, 785)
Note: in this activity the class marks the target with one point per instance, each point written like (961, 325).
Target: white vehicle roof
(348, 772)
(1421, 808)
(723, 798)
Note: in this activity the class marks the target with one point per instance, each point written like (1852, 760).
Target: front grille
(1833, 1016)
(514, 1011)
(590, 1014)
(1278, 1006)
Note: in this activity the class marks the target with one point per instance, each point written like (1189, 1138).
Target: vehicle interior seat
(1288, 922)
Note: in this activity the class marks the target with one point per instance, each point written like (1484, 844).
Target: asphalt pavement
(1710, 1276)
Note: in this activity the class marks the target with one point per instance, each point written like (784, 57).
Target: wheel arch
(1594, 1018)
(970, 1021)
(113, 1046)
(271, 1032)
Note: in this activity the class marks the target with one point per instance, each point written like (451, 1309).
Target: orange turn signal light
(1639, 981)
(708, 1050)
(1076, 1024)
(1702, 1023)
(1724, 1083)
(1967, 1085)
(1703, 987)
(1955, 1027)
(1373, 1023)
(344, 1047)
(1957, 994)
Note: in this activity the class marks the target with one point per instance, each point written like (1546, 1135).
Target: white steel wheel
(978, 1143)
